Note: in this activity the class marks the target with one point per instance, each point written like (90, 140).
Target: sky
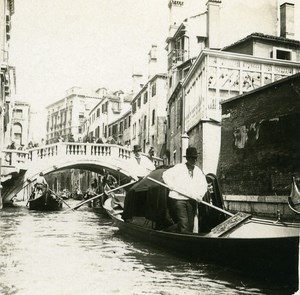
(59, 44)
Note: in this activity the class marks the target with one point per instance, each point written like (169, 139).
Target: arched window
(17, 133)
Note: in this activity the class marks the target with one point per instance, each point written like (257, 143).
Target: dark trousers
(184, 213)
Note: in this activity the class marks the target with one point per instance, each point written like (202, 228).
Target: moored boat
(45, 202)
(294, 198)
(265, 248)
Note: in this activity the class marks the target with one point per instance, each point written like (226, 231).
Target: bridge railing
(79, 149)
(22, 159)
(15, 158)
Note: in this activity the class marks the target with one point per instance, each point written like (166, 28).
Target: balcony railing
(223, 75)
(177, 56)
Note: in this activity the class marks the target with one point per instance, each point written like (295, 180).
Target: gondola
(294, 198)
(47, 201)
(265, 248)
(98, 204)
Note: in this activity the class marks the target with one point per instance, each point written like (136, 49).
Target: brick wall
(260, 140)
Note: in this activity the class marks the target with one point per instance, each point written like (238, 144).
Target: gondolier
(41, 184)
(190, 180)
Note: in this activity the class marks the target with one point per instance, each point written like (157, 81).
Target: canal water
(83, 253)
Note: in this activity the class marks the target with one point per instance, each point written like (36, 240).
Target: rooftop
(260, 36)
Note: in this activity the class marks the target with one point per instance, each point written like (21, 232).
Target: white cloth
(178, 178)
(41, 180)
(142, 165)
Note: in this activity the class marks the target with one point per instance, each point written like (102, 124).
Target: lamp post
(184, 144)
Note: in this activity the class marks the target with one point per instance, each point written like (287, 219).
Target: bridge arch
(118, 160)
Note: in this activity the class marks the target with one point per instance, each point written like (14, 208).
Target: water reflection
(82, 253)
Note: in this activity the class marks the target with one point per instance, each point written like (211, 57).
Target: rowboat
(45, 202)
(261, 247)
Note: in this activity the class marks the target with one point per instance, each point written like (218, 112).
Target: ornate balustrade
(68, 150)
(15, 158)
(217, 76)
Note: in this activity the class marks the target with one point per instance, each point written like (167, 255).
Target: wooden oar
(98, 196)
(202, 202)
(60, 198)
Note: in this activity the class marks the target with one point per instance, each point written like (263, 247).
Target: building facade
(249, 63)
(148, 115)
(260, 143)
(7, 82)
(7, 72)
(20, 124)
(65, 116)
(120, 129)
(111, 107)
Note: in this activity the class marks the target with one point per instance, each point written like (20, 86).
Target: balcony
(176, 57)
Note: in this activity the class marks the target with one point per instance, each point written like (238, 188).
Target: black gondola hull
(268, 258)
(46, 202)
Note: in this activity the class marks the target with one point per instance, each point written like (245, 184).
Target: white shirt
(179, 178)
(142, 165)
(41, 180)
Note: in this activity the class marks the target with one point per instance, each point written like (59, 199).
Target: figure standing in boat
(191, 181)
(41, 185)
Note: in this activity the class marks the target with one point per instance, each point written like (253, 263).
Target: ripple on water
(82, 253)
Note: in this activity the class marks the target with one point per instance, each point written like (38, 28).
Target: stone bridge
(19, 168)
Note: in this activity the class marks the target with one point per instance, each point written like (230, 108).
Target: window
(281, 53)
(17, 133)
(115, 129)
(121, 128)
(97, 132)
(98, 112)
(145, 122)
(139, 102)
(139, 126)
(79, 130)
(134, 130)
(153, 116)
(129, 121)
(179, 112)
(18, 114)
(133, 107)
(145, 97)
(153, 89)
(104, 107)
(116, 106)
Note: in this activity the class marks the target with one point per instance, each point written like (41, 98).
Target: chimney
(213, 23)
(136, 83)
(287, 20)
(176, 14)
(152, 62)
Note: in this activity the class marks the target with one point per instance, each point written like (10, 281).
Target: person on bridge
(41, 184)
(137, 150)
(99, 140)
(145, 165)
